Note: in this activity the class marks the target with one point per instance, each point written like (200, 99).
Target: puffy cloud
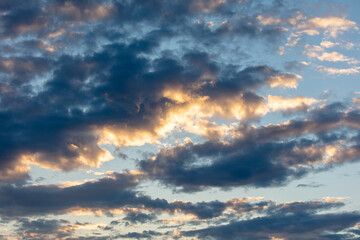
(77, 75)
(318, 53)
(332, 25)
(285, 80)
(328, 44)
(69, 115)
(276, 103)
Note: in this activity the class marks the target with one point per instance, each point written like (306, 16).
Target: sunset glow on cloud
(198, 119)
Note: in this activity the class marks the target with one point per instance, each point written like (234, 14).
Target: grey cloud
(262, 157)
(111, 87)
(296, 226)
(44, 228)
(135, 217)
(115, 191)
(145, 234)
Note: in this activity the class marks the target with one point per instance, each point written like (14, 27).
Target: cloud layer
(220, 92)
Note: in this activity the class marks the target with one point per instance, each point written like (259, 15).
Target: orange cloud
(276, 103)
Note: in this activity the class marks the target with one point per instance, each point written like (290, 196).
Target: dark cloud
(79, 74)
(40, 200)
(294, 226)
(258, 158)
(57, 124)
(76, 70)
(25, 19)
(44, 228)
(112, 192)
(145, 234)
(286, 219)
(136, 217)
(21, 70)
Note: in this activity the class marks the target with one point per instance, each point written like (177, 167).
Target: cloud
(78, 76)
(319, 53)
(24, 20)
(81, 10)
(44, 228)
(62, 98)
(136, 217)
(311, 185)
(144, 234)
(338, 71)
(332, 25)
(275, 215)
(276, 103)
(297, 226)
(328, 44)
(109, 195)
(269, 20)
(261, 157)
(70, 114)
(285, 80)
(52, 199)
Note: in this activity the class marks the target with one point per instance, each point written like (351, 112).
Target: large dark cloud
(294, 220)
(113, 192)
(294, 226)
(76, 68)
(76, 74)
(266, 156)
(56, 124)
(117, 192)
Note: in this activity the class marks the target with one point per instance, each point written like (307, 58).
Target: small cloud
(39, 179)
(334, 199)
(310, 185)
(328, 44)
(281, 51)
(339, 71)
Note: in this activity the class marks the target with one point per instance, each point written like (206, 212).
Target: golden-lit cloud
(75, 156)
(269, 20)
(57, 33)
(16, 172)
(193, 113)
(339, 71)
(276, 103)
(331, 26)
(334, 199)
(285, 80)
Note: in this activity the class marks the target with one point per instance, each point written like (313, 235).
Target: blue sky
(199, 119)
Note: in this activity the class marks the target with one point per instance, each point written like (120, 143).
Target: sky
(197, 119)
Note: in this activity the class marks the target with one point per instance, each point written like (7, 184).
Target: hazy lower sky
(174, 119)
